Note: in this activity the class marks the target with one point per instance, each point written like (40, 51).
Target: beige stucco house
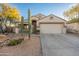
(48, 24)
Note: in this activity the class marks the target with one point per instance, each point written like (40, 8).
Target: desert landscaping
(28, 47)
(37, 33)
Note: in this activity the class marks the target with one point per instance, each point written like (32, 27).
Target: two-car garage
(52, 25)
(51, 28)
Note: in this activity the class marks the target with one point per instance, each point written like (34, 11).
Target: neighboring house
(25, 25)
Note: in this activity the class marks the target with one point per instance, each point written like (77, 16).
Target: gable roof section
(58, 17)
(52, 18)
(34, 18)
(39, 16)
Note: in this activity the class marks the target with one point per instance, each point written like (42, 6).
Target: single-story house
(48, 24)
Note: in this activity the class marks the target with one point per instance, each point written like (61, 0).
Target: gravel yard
(26, 48)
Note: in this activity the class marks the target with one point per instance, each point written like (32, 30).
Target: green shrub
(14, 42)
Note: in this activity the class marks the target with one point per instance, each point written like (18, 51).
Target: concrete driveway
(60, 44)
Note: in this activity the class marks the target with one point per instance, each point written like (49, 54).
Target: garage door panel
(51, 28)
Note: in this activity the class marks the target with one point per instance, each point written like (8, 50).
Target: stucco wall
(73, 27)
(49, 19)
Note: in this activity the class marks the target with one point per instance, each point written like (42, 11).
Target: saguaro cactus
(29, 22)
(22, 25)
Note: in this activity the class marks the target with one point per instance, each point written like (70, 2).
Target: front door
(34, 26)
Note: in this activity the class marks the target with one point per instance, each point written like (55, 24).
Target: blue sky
(44, 8)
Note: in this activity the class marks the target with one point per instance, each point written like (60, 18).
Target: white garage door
(51, 28)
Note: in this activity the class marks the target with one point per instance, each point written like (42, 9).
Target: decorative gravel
(28, 47)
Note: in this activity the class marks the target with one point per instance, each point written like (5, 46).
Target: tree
(10, 13)
(73, 13)
(0, 14)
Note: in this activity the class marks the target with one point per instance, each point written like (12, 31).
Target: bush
(14, 42)
(36, 32)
